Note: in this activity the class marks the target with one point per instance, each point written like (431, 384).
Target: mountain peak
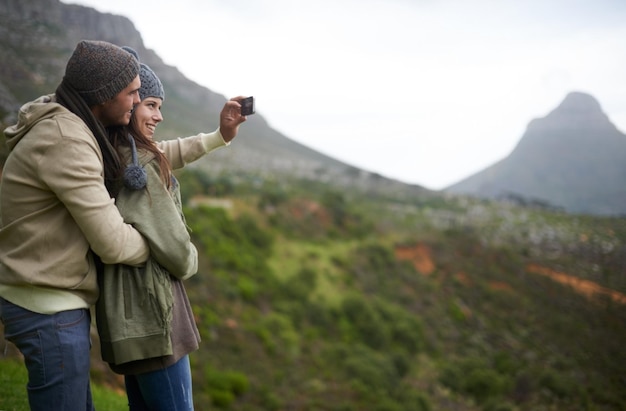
(578, 111)
(578, 102)
(572, 158)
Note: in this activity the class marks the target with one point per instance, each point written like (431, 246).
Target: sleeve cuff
(213, 140)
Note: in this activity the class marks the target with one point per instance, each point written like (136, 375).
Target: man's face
(117, 111)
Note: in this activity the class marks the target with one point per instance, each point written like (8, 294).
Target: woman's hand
(231, 118)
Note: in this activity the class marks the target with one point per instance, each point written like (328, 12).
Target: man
(54, 208)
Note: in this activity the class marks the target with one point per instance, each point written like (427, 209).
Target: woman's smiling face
(148, 115)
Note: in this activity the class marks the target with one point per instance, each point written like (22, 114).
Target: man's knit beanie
(98, 71)
(150, 84)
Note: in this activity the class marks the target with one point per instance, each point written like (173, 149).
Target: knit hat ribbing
(98, 70)
(150, 84)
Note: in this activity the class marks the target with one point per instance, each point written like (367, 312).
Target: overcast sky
(425, 91)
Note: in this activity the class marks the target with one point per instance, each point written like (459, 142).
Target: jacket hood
(30, 114)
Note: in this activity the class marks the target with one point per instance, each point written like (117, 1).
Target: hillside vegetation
(309, 298)
(314, 299)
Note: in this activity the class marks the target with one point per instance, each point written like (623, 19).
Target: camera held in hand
(247, 106)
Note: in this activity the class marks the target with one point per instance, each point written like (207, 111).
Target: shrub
(278, 335)
(413, 400)
(247, 288)
(269, 400)
(367, 322)
(505, 363)
(560, 385)
(495, 405)
(221, 398)
(238, 382)
(374, 371)
(236, 248)
(475, 378)
(301, 285)
(483, 384)
(224, 386)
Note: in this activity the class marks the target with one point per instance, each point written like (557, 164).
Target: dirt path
(420, 255)
(585, 287)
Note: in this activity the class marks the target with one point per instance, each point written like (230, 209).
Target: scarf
(69, 98)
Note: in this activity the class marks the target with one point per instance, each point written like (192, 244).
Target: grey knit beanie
(150, 84)
(98, 70)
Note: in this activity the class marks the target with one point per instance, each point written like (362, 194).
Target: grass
(291, 256)
(12, 386)
(13, 378)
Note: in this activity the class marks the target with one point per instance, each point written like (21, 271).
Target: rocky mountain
(38, 36)
(573, 159)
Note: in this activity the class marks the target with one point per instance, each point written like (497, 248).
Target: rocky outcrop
(573, 159)
(38, 36)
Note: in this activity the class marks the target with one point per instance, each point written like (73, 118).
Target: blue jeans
(56, 352)
(168, 389)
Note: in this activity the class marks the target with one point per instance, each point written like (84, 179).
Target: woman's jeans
(168, 389)
(56, 352)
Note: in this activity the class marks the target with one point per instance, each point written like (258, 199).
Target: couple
(66, 245)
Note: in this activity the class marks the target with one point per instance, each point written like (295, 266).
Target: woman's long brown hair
(119, 137)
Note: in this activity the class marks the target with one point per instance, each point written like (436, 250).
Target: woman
(144, 317)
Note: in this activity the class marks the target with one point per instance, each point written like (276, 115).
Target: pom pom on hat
(98, 70)
(150, 84)
(135, 177)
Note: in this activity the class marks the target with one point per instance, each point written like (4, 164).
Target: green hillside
(313, 299)
(336, 301)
